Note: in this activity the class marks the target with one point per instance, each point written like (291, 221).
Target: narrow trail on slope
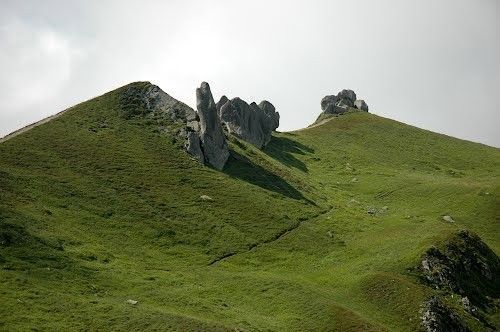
(277, 237)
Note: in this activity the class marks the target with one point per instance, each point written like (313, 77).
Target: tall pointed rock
(213, 142)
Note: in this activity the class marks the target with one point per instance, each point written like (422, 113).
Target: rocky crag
(251, 122)
(341, 102)
(204, 130)
(463, 266)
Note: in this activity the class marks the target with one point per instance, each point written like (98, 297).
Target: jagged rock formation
(464, 265)
(437, 317)
(252, 123)
(340, 103)
(203, 130)
(213, 142)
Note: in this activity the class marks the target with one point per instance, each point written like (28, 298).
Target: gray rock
(327, 101)
(213, 142)
(221, 103)
(336, 109)
(337, 104)
(133, 302)
(206, 198)
(193, 125)
(340, 103)
(448, 219)
(271, 113)
(348, 95)
(361, 105)
(193, 146)
(250, 122)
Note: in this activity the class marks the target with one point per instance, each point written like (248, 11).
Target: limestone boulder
(213, 142)
(361, 105)
(250, 122)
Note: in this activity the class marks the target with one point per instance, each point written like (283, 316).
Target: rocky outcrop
(437, 317)
(203, 130)
(464, 265)
(250, 122)
(340, 103)
(213, 142)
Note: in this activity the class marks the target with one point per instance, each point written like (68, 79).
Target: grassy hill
(322, 230)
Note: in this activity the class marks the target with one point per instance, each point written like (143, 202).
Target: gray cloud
(433, 64)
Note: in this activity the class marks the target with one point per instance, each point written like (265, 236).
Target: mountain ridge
(322, 229)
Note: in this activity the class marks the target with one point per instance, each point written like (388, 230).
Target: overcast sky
(433, 64)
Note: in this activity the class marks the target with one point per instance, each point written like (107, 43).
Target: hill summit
(132, 211)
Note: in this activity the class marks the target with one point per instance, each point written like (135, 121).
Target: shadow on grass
(241, 167)
(283, 148)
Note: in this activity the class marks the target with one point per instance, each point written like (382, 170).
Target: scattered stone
(448, 219)
(133, 302)
(213, 142)
(371, 210)
(385, 208)
(206, 198)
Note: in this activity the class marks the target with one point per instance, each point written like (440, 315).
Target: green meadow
(322, 230)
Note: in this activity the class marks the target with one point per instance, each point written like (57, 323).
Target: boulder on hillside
(251, 123)
(347, 95)
(361, 105)
(340, 103)
(270, 111)
(213, 142)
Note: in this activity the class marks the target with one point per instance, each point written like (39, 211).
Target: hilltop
(357, 223)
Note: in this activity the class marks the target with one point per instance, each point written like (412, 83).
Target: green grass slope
(321, 230)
